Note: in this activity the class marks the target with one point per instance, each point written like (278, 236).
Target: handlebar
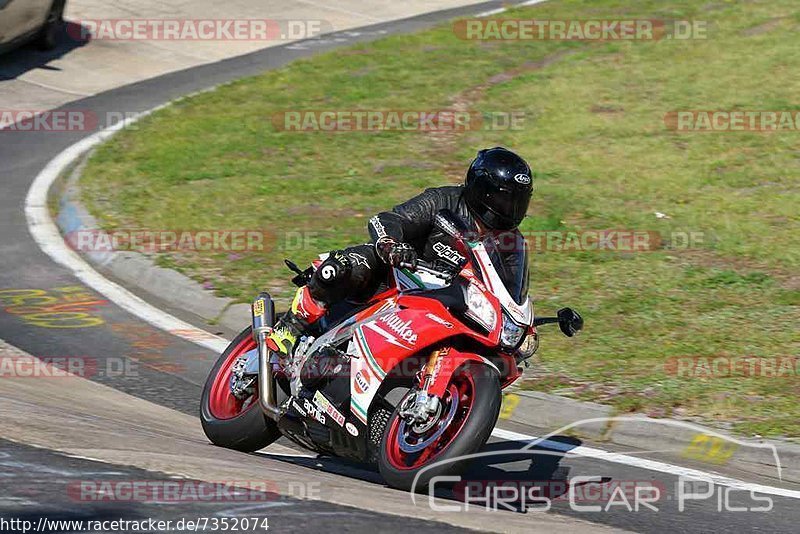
(427, 267)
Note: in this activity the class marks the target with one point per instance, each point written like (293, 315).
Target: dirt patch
(360, 73)
(762, 28)
(710, 259)
(465, 101)
(599, 108)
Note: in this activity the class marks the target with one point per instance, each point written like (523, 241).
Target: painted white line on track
(490, 12)
(265, 452)
(644, 463)
(47, 236)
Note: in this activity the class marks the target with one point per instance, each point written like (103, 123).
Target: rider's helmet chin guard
(498, 188)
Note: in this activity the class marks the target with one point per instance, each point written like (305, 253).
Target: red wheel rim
(462, 386)
(221, 402)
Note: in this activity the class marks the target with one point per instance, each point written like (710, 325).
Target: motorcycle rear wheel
(229, 422)
(475, 390)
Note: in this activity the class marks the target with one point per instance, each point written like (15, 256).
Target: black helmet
(498, 188)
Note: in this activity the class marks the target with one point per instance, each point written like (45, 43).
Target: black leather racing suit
(358, 270)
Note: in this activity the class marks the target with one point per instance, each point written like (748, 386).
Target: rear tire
(469, 438)
(48, 35)
(226, 424)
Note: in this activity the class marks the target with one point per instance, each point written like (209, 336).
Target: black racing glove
(396, 254)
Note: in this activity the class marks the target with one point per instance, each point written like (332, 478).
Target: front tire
(475, 388)
(230, 422)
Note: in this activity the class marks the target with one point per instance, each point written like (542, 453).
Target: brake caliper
(241, 384)
(422, 409)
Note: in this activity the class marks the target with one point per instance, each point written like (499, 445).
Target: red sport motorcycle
(409, 379)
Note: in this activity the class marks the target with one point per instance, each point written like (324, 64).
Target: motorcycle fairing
(365, 378)
(382, 343)
(454, 359)
(345, 329)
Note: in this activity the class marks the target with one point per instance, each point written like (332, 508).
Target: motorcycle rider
(493, 200)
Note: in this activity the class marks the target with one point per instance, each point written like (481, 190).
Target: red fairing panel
(490, 340)
(394, 336)
(451, 360)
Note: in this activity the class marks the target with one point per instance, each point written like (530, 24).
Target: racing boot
(305, 311)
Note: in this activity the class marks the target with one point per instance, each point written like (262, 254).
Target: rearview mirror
(569, 321)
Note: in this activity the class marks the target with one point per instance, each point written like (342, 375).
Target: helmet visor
(504, 207)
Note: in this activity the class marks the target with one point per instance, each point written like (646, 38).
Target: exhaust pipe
(263, 319)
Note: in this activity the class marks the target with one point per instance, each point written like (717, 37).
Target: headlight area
(528, 347)
(512, 333)
(479, 309)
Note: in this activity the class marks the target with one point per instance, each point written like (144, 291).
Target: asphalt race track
(155, 430)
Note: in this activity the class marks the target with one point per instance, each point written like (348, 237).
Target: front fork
(424, 404)
(263, 320)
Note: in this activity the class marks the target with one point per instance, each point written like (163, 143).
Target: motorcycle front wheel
(468, 412)
(228, 421)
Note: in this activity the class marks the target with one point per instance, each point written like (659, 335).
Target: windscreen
(509, 254)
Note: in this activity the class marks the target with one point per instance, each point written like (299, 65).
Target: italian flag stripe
(362, 342)
(358, 411)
